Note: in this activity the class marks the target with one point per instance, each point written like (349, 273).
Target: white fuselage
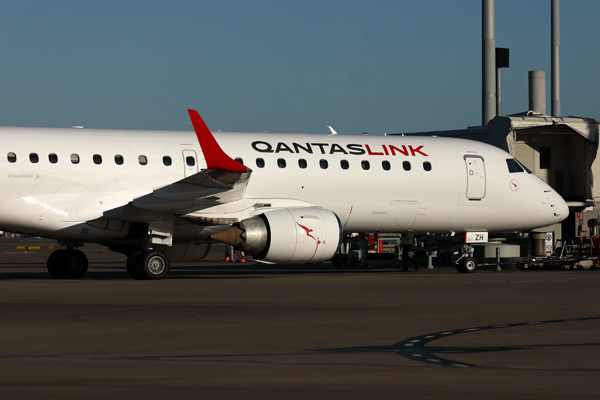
(452, 185)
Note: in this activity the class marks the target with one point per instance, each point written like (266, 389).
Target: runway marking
(425, 354)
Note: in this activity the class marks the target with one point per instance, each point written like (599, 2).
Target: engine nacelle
(287, 235)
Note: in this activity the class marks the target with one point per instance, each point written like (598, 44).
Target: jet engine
(287, 235)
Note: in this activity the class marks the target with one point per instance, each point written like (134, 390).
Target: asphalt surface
(222, 330)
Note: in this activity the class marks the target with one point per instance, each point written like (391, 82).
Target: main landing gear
(67, 264)
(148, 264)
(73, 264)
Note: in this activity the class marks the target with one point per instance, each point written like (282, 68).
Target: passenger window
(386, 165)
(426, 165)
(324, 164)
(344, 164)
(33, 157)
(281, 163)
(302, 163)
(12, 157)
(190, 161)
(167, 161)
(53, 158)
(260, 163)
(238, 159)
(97, 159)
(406, 165)
(365, 165)
(74, 158)
(513, 166)
(119, 159)
(143, 160)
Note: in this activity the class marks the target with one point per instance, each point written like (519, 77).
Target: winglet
(214, 155)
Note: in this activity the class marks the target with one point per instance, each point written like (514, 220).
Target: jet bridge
(560, 150)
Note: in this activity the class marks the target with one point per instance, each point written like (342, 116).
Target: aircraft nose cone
(561, 209)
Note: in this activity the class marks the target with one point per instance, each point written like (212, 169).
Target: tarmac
(230, 330)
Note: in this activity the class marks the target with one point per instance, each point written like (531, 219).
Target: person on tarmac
(407, 245)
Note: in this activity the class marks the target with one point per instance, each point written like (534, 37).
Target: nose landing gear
(466, 264)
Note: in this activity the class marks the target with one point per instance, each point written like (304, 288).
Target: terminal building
(560, 150)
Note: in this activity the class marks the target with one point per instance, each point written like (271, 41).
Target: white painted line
(429, 337)
(408, 345)
(415, 341)
(417, 355)
(460, 365)
(433, 360)
(447, 333)
(471, 329)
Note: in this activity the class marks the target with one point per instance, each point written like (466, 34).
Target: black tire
(133, 266)
(469, 265)
(340, 261)
(53, 264)
(73, 264)
(153, 265)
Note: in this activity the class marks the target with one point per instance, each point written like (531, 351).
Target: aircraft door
(475, 177)
(190, 162)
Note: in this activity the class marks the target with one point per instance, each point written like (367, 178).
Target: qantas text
(333, 148)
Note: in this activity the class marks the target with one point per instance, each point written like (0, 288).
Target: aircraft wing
(224, 180)
(201, 190)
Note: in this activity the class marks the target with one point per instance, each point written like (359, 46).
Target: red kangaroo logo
(308, 231)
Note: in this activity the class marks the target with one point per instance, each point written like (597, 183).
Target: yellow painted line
(28, 247)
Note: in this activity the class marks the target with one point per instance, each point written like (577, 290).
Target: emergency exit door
(475, 177)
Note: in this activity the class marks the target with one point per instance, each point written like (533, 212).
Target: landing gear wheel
(53, 265)
(468, 266)
(132, 266)
(73, 264)
(153, 265)
(67, 264)
(340, 261)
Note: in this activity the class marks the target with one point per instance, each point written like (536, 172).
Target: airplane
(166, 196)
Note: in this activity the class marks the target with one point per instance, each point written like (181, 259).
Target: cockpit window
(513, 166)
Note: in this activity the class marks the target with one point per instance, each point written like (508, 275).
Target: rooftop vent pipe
(537, 92)
(555, 70)
(488, 61)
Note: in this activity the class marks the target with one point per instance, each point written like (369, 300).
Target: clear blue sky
(282, 66)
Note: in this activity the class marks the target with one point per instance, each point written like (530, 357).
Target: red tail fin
(214, 155)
